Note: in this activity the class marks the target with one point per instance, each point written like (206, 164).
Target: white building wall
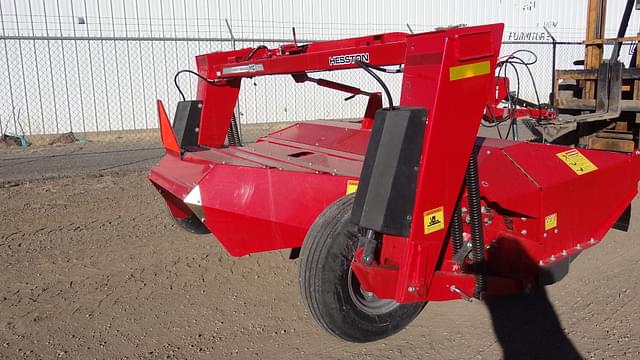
(61, 85)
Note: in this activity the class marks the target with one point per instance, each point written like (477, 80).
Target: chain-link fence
(89, 83)
(54, 85)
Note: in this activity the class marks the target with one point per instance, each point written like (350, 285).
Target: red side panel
(255, 209)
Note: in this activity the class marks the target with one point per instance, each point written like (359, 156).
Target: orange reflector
(166, 131)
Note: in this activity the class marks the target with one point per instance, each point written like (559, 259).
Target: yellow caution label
(577, 162)
(469, 70)
(550, 221)
(352, 186)
(433, 220)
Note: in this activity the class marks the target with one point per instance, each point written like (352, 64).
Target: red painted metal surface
(537, 209)
(166, 132)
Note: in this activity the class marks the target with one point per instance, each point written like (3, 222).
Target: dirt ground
(91, 267)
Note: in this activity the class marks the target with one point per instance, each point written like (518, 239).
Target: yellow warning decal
(577, 162)
(469, 70)
(433, 220)
(550, 221)
(352, 186)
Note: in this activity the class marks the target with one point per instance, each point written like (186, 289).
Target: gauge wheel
(331, 291)
(190, 224)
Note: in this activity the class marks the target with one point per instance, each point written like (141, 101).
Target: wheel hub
(368, 301)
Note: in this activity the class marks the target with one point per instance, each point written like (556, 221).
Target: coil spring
(475, 217)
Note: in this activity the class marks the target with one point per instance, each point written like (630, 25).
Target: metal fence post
(6, 55)
(552, 95)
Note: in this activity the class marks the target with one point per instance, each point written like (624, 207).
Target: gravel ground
(92, 267)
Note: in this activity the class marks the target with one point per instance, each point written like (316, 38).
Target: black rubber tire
(192, 224)
(324, 277)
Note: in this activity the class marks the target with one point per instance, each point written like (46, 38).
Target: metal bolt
(488, 152)
(544, 235)
(556, 231)
(564, 253)
(523, 232)
(592, 241)
(409, 217)
(369, 295)
(541, 263)
(454, 289)
(579, 247)
(637, 152)
(552, 258)
(412, 289)
(523, 218)
(464, 210)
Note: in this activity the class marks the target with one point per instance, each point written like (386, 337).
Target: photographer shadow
(526, 325)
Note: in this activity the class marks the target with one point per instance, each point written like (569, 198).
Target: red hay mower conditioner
(404, 207)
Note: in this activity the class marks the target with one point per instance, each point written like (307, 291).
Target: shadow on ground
(527, 327)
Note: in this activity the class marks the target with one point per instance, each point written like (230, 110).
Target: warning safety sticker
(433, 220)
(352, 186)
(550, 221)
(577, 162)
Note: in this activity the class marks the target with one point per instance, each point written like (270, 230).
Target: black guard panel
(387, 189)
(186, 123)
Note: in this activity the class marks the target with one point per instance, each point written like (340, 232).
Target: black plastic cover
(387, 189)
(623, 221)
(186, 123)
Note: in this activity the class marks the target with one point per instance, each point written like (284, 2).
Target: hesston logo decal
(348, 59)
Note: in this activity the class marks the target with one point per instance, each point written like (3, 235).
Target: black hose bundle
(512, 61)
(367, 67)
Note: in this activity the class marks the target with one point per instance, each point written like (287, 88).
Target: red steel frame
(539, 210)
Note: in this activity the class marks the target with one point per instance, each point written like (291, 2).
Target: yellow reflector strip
(469, 70)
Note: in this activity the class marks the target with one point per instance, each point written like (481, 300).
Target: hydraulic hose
(475, 219)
